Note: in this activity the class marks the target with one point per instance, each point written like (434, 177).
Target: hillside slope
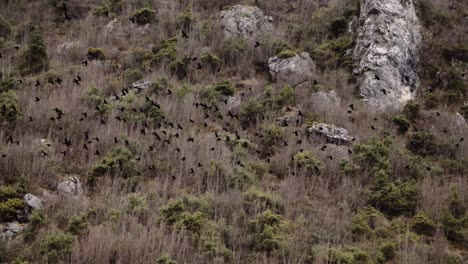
(233, 131)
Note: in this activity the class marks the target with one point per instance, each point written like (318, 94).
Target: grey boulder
(294, 70)
(245, 22)
(333, 134)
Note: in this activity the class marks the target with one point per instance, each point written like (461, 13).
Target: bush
(388, 250)
(7, 193)
(36, 221)
(393, 197)
(10, 208)
(423, 225)
(77, 224)
(161, 84)
(251, 110)
(242, 178)
(286, 54)
(255, 200)
(273, 136)
(212, 61)
(56, 246)
(432, 101)
(411, 110)
(5, 28)
(374, 154)
(185, 19)
(232, 49)
(165, 51)
(165, 260)
(458, 52)
(338, 26)
(423, 144)
(110, 8)
(95, 99)
(333, 52)
(132, 75)
(176, 214)
(402, 123)
(364, 222)
(34, 59)
(138, 204)
(305, 161)
(96, 54)
(179, 68)
(464, 111)
(144, 16)
(348, 256)
(267, 231)
(453, 227)
(225, 88)
(9, 106)
(118, 161)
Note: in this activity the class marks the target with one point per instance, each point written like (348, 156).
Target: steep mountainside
(233, 131)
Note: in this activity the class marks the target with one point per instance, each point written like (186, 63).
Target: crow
(323, 148)
(116, 140)
(383, 91)
(76, 81)
(169, 92)
(67, 142)
(38, 83)
(184, 34)
(97, 153)
(37, 99)
(85, 147)
(199, 66)
(177, 149)
(43, 153)
(257, 44)
(85, 63)
(351, 106)
(30, 119)
(330, 157)
(59, 80)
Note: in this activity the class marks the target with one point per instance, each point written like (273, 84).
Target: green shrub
(402, 123)
(96, 54)
(432, 101)
(176, 214)
(255, 200)
(423, 144)
(348, 256)
(458, 52)
(95, 99)
(56, 246)
(8, 192)
(453, 227)
(388, 250)
(144, 16)
(423, 225)
(10, 208)
(179, 68)
(138, 204)
(286, 54)
(393, 197)
(267, 231)
(185, 20)
(456, 83)
(110, 8)
(34, 59)
(456, 206)
(132, 75)
(36, 221)
(338, 26)
(212, 61)
(77, 225)
(7, 84)
(165, 51)
(5, 28)
(307, 162)
(284, 97)
(215, 93)
(232, 49)
(242, 178)
(225, 88)
(118, 161)
(333, 52)
(152, 113)
(9, 106)
(411, 110)
(364, 222)
(161, 84)
(349, 168)
(165, 260)
(464, 111)
(374, 154)
(274, 135)
(251, 110)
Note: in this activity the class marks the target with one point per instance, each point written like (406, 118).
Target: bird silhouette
(257, 44)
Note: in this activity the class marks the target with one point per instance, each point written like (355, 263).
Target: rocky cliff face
(386, 52)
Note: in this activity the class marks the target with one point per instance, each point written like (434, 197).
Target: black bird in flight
(184, 34)
(257, 44)
(97, 153)
(36, 99)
